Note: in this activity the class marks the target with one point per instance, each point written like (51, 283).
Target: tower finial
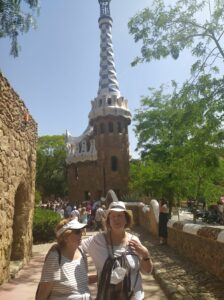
(104, 7)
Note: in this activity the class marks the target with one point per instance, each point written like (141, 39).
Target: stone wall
(201, 244)
(18, 137)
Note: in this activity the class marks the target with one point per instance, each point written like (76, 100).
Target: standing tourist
(83, 218)
(163, 220)
(65, 275)
(119, 257)
(100, 217)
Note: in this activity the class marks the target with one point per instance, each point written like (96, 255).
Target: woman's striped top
(70, 277)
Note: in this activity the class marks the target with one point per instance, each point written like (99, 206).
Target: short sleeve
(86, 244)
(51, 269)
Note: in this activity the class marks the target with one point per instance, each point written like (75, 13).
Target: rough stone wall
(148, 221)
(201, 244)
(18, 137)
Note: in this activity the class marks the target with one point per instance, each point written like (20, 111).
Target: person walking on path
(100, 218)
(118, 257)
(163, 220)
(65, 273)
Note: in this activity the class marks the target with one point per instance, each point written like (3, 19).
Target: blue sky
(57, 71)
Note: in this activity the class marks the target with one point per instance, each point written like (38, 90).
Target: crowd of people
(118, 255)
(90, 213)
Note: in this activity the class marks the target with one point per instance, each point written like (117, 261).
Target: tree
(51, 166)
(17, 16)
(181, 139)
(188, 24)
(181, 132)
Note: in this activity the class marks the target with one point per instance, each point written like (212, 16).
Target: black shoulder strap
(84, 258)
(59, 255)
(106, 242)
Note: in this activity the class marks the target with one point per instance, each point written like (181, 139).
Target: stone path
(23, 286)
(180, 278)
(176, 276)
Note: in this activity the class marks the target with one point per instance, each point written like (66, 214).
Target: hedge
(44, 223)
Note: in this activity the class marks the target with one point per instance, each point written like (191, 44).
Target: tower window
(119, 129)
(109, 101)
(88, 146)
(111, 127)
(114, 163)
(76, 173)
(102, 129)
(100, 102)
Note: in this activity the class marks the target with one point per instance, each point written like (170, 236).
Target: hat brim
(74, 224)
(116, 209)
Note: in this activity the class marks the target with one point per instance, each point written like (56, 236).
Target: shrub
(44, 223)
(37, 197)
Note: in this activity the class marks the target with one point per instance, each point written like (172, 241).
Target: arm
(44, 290)
(146, 264)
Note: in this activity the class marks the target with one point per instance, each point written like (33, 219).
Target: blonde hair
(128, 217)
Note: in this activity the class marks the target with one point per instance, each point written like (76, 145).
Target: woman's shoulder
(93, 240)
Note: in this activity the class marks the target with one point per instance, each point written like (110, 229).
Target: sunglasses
(77, 231)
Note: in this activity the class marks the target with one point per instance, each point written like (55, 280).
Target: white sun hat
(117, 206)
(74, 224)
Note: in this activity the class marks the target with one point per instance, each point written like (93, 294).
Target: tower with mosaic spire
(98, 160)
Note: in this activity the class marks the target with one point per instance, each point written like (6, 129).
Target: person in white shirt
(118, 257)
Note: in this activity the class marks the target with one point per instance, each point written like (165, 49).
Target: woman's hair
(61, 238)
(128, 218)
(163, 201)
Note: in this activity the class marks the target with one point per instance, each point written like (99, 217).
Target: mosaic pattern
(108, 83)
(209, 232)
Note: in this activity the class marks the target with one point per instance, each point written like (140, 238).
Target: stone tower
(98, 160)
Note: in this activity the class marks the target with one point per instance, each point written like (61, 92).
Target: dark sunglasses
(77, 231)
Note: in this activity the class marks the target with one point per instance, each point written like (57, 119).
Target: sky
(57, 71)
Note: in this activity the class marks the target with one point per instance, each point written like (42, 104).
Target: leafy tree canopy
(16, 17)
(166, 30)
(51, 166)
(180, 133)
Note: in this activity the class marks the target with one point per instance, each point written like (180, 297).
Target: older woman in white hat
(118, 256)
(64, 274)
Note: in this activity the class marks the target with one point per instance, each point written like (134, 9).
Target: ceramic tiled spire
(108, 84)
(109, 100)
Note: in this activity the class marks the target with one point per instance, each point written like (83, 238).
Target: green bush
(44, 223)
(37, 197)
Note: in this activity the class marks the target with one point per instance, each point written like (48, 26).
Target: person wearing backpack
(65, 273)
(119, 257)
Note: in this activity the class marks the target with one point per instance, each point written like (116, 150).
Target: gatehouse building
(98, 160)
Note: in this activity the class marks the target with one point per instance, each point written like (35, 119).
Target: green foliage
(16, 18)
(38, 197)
(180, 137)
(180, 133)
(167, 30)
(44, 224)
(51, 166)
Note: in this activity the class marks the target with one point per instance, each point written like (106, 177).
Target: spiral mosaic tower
(103, 149)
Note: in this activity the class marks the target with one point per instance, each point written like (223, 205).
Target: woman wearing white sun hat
(118, 256)
(64, 275)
